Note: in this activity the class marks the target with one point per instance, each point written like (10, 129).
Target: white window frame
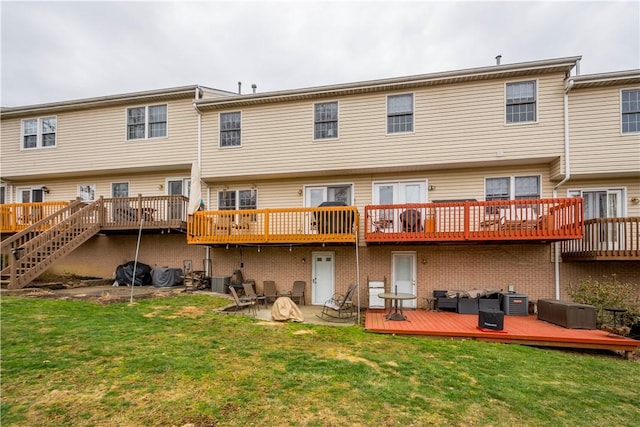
(413, 113)
(316, 122)
(397, 195)
(635, 133)
(237, 206)
(512, 184)
(87, 192)
(620, 191)
(39, 133)
(147, 123)
(536, 102)
(325, 187)
(120, 182)
(220, 130)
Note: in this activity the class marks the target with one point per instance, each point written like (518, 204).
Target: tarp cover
(284, 309)
(124, 274)
(166, 277)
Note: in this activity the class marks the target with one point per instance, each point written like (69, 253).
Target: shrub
(607, 292)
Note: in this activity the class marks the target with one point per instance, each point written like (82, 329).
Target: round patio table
(396, 302)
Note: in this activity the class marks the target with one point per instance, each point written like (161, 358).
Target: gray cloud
(57, 51)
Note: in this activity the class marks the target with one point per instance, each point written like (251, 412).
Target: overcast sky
(56, 51)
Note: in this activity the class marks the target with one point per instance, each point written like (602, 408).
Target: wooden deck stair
(36, 248)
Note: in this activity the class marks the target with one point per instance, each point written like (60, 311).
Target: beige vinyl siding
(93, 140)
(67, 188)
(631, 185)
(459, 124)
(595, 130)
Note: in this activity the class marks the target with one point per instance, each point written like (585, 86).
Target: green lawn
(173, 361)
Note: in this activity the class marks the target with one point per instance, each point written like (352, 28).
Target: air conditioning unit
(220, 284)
(515, 304)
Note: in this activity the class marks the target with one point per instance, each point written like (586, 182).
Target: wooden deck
(526, 330)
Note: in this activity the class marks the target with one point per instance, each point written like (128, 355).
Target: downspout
(198, 96)
(567, 176)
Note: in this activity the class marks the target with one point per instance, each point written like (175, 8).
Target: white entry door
(404, 275)
(323, 283)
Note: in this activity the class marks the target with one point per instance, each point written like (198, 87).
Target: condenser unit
(515, 304)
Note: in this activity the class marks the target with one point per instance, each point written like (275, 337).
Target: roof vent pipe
(239, 88)
(254, 87)
(498, 59)
(578, 67)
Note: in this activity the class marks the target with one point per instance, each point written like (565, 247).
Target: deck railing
(279, 225)
(16, 217)
(114, 213)
(606, 239)
(531, 219)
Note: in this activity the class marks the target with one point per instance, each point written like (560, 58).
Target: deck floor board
(526, 330)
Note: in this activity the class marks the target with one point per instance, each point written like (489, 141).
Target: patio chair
(269, 291)
(251, 295)
(297, 292)
(340, 308)
(242, 304)
(411, 220)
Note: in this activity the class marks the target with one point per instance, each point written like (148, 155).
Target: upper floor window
(325, 119)
(230, 125)
(521, 102)
(147, 122)
(512, 188)
(630, 111)
(39, 133)
(400, 113)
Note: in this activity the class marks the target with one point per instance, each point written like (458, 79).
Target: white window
(120, 189)
(39, 133)
(147, 122)
(512, 188)
(521, 102)
(399, 192)
(30, 195)
(230, 127)
(601, 203)
(630, 100)
(328, 193)
(87, 192)
(3, 194)
(237, 199)
(400, 113)
(325, 119)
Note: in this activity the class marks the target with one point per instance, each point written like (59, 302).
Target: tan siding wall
(94, 140)
(631, 186)
(461, 123)
(67, 189)
(595, 129)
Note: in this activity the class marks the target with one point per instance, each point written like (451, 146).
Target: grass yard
(174, 362)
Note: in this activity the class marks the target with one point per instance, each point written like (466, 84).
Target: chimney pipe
(239, 88)
(254, 87)
(498, 59)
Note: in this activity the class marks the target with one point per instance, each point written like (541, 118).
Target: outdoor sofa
(467, 302)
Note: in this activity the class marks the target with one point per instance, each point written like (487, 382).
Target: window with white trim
(325, 120)
(237, 199)
(630, 100)
(120, 189)
(147, 122)
(521, 102)
(39, 133)
(230, 127)
(400, 113)
(512, 188)
(3, 194)
(87, 192)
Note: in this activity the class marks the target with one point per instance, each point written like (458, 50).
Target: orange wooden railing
(278, 225)
(16, 217)
(606, 238)
(532, 219)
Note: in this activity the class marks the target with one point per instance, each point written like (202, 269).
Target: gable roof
(606, 79)
(399, 83)
(157, 95)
